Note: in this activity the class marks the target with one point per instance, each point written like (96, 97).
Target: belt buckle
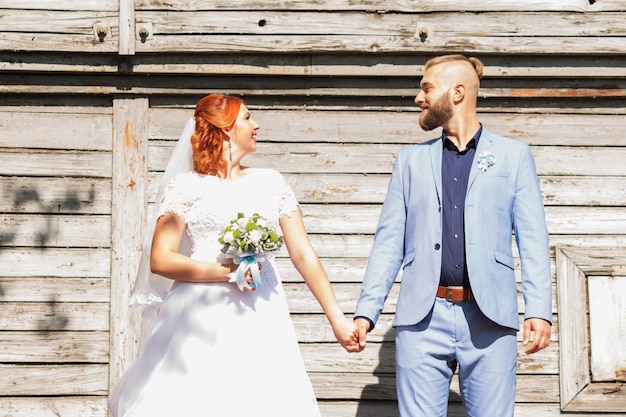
(448, 297)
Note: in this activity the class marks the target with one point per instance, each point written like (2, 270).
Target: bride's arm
(306, 261)
(166, 261)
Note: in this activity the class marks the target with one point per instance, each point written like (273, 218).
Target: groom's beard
(438, 113)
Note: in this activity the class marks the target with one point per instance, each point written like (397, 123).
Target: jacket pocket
(408, 259)
(504, 259)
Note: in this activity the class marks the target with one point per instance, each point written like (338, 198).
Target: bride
(216, 348)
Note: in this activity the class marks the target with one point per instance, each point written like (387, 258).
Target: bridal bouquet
(246, 240)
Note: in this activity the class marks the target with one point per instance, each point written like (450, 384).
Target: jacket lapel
(436, 152)
(484, 144)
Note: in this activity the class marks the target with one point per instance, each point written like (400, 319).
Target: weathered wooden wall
(94, 94)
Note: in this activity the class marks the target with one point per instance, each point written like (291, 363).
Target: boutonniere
(485, 161)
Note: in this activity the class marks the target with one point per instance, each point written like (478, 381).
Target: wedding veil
(150, 289)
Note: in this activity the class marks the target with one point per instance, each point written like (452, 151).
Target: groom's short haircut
(473, 61)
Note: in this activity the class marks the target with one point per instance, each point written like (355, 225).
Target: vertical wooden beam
(127, 27)
(128, 214)
(573, 327)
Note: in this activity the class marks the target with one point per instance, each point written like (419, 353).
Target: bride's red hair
(213, 113)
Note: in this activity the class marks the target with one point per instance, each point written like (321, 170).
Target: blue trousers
(451, 335)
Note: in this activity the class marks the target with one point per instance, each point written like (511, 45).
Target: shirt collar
(472, 144)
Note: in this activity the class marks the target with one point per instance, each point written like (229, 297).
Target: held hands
(541, 330)
(363, 327)
(346, 334)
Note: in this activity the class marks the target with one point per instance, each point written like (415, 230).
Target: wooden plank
(396, 65)
(377, 408)
(129, 182)
(573, 331)
(583, 191)
(88, 406)
(126, 27)
(59, 30)
(80, 5)
(369, 65)
(379, 158)
(54, 316)
(55, 262)
(530, 388)
(52, 62)
(46, 380)
(392, 127)
(379, 358)
(386, 26)
(70, 131)
(359, 246)
(607, 326)
(35, 162)
(388, 93)
(362, 219)
(55, 231)
(314, 328)
(54, 347)
(300, 300)
(600, 397)
(451, 43)
(61, 22)
(60, 195)
(387, 6)
(62, 290)
(389, 32)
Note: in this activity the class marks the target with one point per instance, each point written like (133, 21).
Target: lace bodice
(208, 204)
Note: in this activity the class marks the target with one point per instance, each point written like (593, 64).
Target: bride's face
(244, 132)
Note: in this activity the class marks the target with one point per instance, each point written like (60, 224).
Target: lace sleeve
(287, 202)
(175, 198)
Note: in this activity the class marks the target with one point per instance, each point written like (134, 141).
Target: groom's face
(436, 113)
(435, 101)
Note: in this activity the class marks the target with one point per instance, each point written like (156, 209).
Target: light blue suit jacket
(504, 199)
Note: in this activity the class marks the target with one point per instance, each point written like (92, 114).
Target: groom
(448, 217)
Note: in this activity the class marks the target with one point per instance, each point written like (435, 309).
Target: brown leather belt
(455, 293)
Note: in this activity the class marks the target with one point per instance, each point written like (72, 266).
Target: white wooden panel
(61, 290)
(379, 158)
(96, 5)
(54, 316)
(607, 326)
(38, 406)
(46, 380)
(54, 30)
(55, 231)
(54, 347)
(55, 163)
(389, 126)
(129, 182)
(387, 5)
(47, 130)
(55, 262)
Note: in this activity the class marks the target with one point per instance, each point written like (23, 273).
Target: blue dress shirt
(455, 170)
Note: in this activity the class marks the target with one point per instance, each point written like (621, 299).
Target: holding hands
(346, 334)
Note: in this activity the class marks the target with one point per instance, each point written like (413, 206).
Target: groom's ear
(458, 93)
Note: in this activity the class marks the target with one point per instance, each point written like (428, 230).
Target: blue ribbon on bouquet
(247, 262)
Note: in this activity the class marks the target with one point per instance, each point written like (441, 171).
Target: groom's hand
(363, 326)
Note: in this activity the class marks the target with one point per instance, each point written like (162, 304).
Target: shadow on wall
(70, 202)
(20, 231)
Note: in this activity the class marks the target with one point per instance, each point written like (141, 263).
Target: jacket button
(437, 246)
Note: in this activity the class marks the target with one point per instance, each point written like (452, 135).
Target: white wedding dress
(215, 350)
